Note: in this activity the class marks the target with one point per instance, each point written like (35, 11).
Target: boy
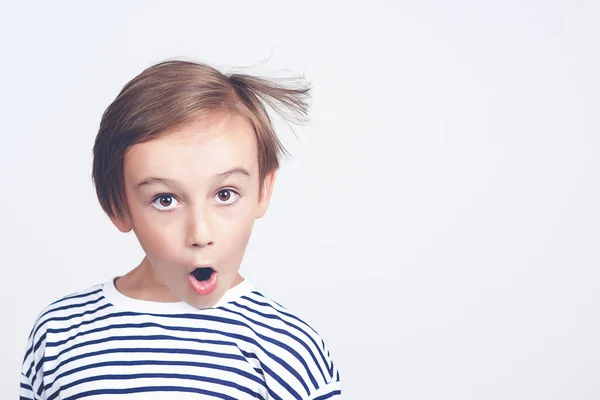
(185, 157)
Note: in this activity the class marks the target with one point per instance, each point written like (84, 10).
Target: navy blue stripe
(330, 368)
(30, 349)
(37, 367)
(150, 389)
(158, 375)
(25, 386)
(129, 325)
(256, 292)
(146, 350)
(92, 321)
(32, 378)
(134, 338)
(159, 362)
(287, 314)
(121, 326)
(40, 389)
(278, 318)
(87, 303)
(286, 333)
(283, 383)
(249, 355)
(328, 395)
(28, 373)
(77, 296)
(32, 330)
(39, 342)
(270, 372)
(27, 353)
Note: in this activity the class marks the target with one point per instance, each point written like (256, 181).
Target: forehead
(201, 148)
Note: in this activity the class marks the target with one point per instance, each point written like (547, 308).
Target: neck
(141, 283)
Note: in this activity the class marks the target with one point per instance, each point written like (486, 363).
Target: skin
(202, 217)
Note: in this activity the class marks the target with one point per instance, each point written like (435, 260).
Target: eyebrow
(170, 182)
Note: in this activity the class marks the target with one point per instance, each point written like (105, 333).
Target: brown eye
(227, 196)
(224, 195)
(164, 202)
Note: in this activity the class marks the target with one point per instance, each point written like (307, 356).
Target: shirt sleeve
(32, 375)
(333, 390)
(26, 392)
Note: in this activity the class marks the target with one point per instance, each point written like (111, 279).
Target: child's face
(205, 213)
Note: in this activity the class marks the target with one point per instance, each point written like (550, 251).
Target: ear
(265, 197)
(123, 224)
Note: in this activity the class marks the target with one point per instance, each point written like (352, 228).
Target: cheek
(235, 235)
(242, 233)
(158, 236)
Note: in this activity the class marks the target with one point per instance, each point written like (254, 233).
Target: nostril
(202, 244)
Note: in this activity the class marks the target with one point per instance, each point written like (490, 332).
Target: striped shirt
(101, 344)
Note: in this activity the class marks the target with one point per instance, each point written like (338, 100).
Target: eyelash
(174, 197)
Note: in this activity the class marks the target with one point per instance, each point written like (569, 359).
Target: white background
(438, 224)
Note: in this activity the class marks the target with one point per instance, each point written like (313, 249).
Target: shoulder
(293, 349)
(64, 310)
(71, 305)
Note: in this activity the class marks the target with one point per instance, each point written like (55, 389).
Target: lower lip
(203, 287)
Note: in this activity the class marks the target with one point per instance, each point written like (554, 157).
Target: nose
(199, 232)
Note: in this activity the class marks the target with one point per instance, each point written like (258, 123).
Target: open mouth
(202, 274)
(203, 280)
